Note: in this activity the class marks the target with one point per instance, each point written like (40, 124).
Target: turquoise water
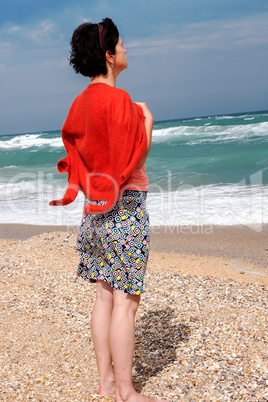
(211, 154)
(214, 150)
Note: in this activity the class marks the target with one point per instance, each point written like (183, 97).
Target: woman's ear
(110, 58)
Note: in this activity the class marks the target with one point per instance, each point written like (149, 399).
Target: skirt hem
(125, 290)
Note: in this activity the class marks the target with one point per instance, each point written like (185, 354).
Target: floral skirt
(114, 246)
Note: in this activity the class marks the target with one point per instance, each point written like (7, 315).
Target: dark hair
(87, 55)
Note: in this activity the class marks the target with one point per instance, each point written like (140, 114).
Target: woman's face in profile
(120, 58)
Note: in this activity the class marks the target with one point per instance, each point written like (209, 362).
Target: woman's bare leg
(122, 340)
(100, 327)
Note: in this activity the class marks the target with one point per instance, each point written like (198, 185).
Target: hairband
(101, 34)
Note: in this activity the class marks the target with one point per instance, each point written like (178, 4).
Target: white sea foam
(27, 202)
(29, 141)
(226, 117)
(212, 133)
(211, 205)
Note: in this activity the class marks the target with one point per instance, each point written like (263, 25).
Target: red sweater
(105, 139)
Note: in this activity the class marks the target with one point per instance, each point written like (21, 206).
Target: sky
(187, 58)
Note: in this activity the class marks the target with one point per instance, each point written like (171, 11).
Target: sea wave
(30, 141)
(210, 205)
(226, 117)
(195, 131)
(212, 133)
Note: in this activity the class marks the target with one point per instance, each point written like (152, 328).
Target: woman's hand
(146, 112)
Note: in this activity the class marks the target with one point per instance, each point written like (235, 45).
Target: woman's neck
(109, 78)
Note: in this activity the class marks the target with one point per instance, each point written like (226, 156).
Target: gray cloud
(215, 35)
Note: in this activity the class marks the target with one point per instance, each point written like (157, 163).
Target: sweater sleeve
(70, 131)
(127, 136)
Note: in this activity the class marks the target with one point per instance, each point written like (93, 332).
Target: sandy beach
(200, 325)
(241, 250)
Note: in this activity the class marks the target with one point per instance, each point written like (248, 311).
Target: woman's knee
(125, 301)
(104, 292)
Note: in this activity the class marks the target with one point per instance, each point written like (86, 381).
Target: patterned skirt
(114, 246)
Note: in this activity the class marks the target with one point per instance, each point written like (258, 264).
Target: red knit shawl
(105, 138)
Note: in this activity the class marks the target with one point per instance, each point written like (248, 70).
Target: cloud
(41, 32)
(4, 45)
(15, 28)
(250, 30)
(31, 43)
(211, 35)
(5, 50)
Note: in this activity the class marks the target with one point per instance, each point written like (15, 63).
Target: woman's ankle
(107, 387)
(135, 397)
(123, 395)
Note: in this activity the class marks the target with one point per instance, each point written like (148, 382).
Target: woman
(108, 138)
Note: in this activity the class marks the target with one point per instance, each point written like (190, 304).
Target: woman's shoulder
(103, 97)
(107, 91)
(121, 95)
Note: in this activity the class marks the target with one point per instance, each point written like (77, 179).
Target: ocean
(203, 171)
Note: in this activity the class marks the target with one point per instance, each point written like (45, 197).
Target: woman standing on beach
(107, 138)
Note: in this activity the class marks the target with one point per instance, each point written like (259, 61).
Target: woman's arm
(148, 122)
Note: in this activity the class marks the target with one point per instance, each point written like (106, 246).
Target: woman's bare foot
(135, 397)
(106, 388)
